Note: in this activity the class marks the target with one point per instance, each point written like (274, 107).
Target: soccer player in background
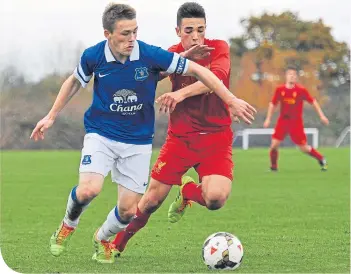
(199, 133)
(120, 122)
(291, 96)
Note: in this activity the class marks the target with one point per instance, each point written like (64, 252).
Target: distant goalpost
(246, 133)
(342, 136)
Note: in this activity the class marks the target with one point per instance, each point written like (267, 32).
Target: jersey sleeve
(220, 64)
(171, 62)
(276, 97)
(84, 71)
(307, 96)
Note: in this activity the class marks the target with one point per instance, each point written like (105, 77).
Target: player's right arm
(80, 77)
(67, 91)
(271, 107)
(169, 100)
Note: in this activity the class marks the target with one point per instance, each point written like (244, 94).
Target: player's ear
(177, 29)
(107, 33)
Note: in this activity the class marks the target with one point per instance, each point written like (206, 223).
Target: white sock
(111, 226)
(74, 209)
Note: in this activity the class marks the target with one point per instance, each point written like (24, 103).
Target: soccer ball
(222, 250)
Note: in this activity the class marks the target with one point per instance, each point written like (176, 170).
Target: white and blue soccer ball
(222, 250)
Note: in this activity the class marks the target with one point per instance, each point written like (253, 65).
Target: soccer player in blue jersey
(120, 122)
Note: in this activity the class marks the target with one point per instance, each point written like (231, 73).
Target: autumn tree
(272, 41)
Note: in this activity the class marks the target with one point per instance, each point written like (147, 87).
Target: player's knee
(215, 199)
(305, 148)
(274, 146)
(127, 212)
(86, 192)
(89, 186)
(152, 202)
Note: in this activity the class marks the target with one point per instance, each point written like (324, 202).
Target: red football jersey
(205, 112)
(291, 101)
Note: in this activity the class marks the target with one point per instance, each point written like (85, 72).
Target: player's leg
(149, 203)
(95, 164)
(117, 220)
(167, 171)
(216, 190)
(274, 153)
(131, 172)
(189, 191)
(278, 136)
(298, 136)
(212, 193)
(215, 167)
(120, 215)
(79, 198)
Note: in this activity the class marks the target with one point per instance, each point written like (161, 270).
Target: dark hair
(114, 12)
(190, 10)
(291, 67)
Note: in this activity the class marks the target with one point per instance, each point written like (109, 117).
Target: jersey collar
(134, 56)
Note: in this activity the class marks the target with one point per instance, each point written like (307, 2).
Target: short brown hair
(114, 12)
(291, 67)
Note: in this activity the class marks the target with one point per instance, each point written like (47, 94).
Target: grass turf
(296, 220)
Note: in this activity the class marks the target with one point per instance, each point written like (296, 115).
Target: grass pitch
(296, 220)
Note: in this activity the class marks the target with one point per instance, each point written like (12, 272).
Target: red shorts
(290, 127)
(209, 154)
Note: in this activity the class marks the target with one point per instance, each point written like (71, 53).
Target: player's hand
(266, 123)
(41, 127)
(198, 52)
(325, 120)
(241, 110)
(169, 100)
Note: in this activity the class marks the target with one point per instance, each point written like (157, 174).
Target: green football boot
(324, 165)
(60, 239)
(178, 207)
(103, 251)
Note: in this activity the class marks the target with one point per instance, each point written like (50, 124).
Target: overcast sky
(39, 36)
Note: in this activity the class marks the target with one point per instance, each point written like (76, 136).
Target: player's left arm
(220, 66)
(165, 74)
(238, 108)
(316, 106)
(320, 112)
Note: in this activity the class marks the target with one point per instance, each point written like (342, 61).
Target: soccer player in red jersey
(290, 122)
(199, 132)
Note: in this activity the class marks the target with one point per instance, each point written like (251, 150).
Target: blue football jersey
(123, 101)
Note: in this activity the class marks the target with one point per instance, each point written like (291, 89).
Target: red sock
(315, 154)
(274, 158)
(133, 227)
(193, 192)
